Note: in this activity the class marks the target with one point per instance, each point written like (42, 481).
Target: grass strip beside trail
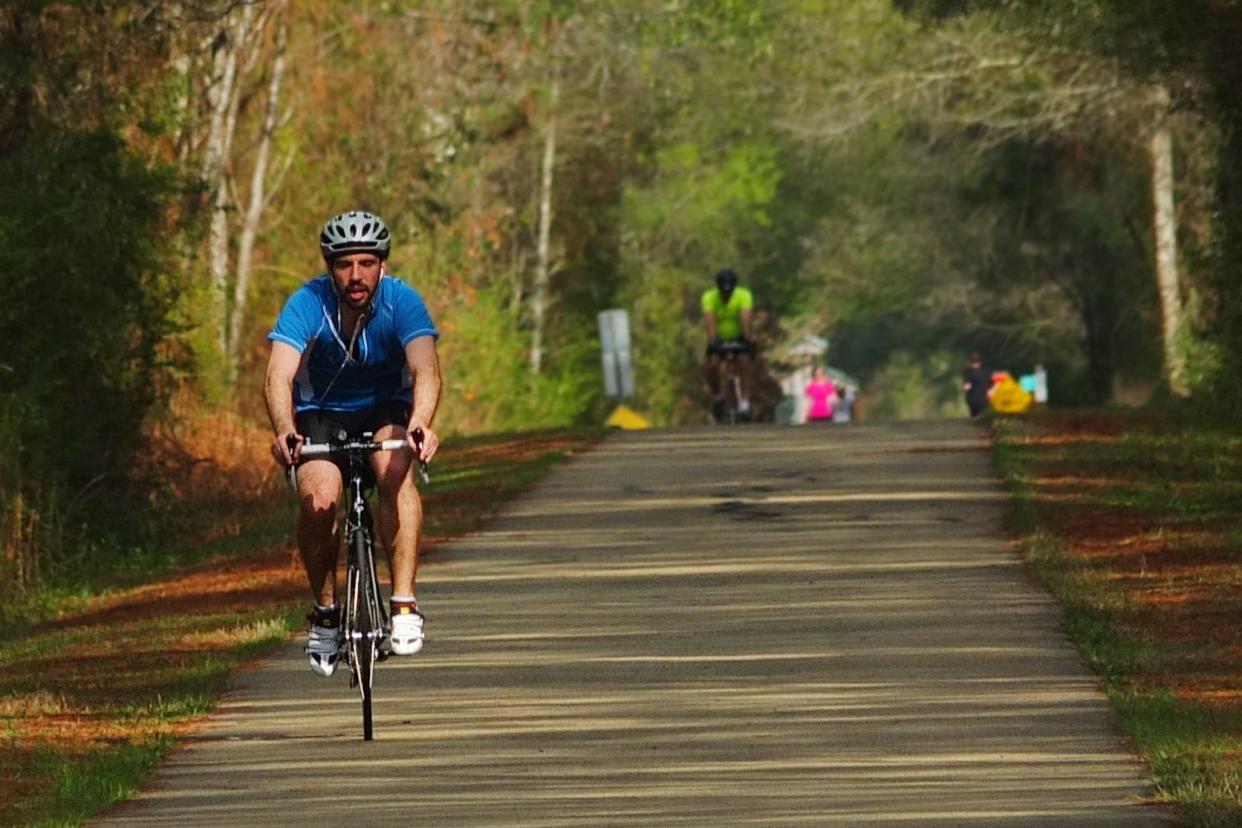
(90, 700)
(1132, 519)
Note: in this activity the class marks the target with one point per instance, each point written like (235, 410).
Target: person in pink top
(822, 393)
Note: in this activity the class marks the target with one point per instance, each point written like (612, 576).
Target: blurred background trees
(1050, 183)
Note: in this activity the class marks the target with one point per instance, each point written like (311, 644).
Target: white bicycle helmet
(354, 232)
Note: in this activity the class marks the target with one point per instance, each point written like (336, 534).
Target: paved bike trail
(778, 626)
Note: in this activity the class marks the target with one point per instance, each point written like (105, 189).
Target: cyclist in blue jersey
(354, 349)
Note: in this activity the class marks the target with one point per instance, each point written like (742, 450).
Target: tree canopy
(912, 179)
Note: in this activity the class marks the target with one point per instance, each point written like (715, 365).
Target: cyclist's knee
(317, 510)
(318, 488)
(393, 479)
(392, 471)
(401, 498)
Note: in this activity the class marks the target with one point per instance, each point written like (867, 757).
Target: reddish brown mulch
(268, 579)
(1180, 577)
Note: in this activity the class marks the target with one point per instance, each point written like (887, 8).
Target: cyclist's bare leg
(711, 373)
(743, 375)
(319, 542)
(399, 516)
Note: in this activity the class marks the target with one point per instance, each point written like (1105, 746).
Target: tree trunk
(215, 156)
(1160, 148)
(258, 201)
(543, 265)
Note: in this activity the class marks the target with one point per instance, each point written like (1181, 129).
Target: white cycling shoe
(407, 629)
(323, 643)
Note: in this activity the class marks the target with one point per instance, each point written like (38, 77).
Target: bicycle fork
(356, 591)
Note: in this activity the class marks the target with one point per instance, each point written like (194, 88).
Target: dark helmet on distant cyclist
(726, 280)
(355, 232)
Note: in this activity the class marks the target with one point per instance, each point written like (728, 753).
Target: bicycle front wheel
(367, 622)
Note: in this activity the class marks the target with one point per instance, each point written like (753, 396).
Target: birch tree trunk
(543, 264)
(259, 198)
(1160, 149)
(221, 98)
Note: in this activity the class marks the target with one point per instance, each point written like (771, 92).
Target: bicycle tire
(367, 618)
(735, 397)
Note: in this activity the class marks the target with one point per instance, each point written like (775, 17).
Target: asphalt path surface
(777, 626)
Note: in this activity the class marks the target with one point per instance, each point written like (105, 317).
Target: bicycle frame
(730, 374)
(365, 624)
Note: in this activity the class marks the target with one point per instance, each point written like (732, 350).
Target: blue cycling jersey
(328, 378)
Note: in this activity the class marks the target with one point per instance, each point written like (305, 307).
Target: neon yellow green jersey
(728, 314)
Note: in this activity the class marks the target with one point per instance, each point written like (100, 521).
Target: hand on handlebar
(287, 447)
(423, 440)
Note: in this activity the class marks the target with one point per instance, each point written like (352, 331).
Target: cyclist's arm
(282, 366)
(709, 319)
(420, 355)
(745, 317)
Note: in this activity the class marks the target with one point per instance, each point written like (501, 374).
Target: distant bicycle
(725, 411)
(365, 625)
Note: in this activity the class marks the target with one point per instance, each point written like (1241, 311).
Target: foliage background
(913, 180)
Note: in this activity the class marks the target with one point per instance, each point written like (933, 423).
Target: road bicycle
(365, 623)
(725, 410)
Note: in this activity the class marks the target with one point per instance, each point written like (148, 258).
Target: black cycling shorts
(321, 426)
(747, 346)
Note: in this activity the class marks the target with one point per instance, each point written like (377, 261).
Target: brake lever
(423, 474)
(291, 470)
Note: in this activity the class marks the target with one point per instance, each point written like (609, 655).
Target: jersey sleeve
(299, 320)
(706, 302)
(746, 299)
(410, 315)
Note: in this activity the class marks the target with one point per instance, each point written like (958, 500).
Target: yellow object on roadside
(1007, 397)
(627, 419)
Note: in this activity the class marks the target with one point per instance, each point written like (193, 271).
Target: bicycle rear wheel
(367, 622)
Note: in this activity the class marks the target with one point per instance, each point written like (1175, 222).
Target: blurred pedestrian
(822, 393)
(844, 412)
(975, 384)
